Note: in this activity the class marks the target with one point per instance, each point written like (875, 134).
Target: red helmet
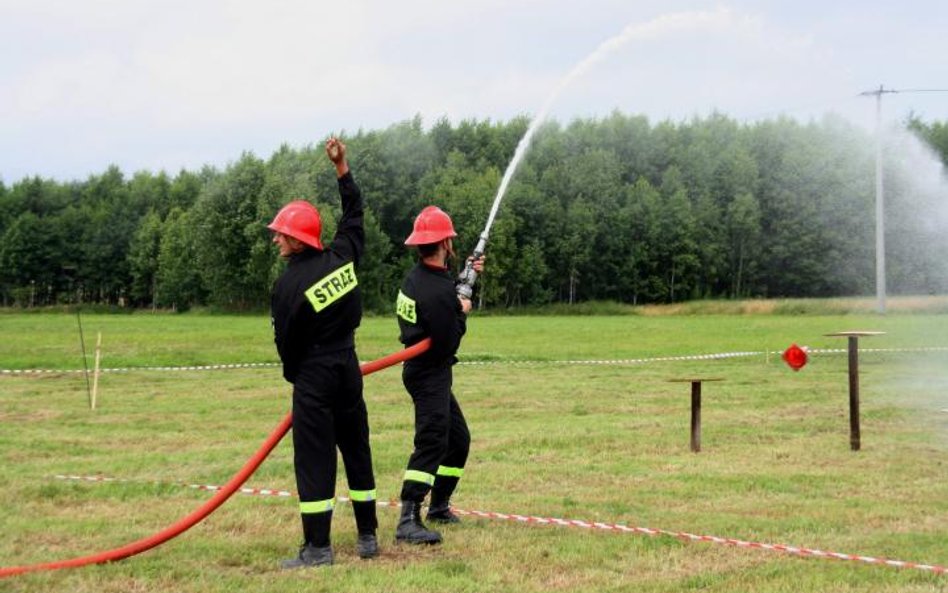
(432, 225)
(299, 219)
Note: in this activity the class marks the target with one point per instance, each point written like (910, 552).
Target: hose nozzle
(468, 276)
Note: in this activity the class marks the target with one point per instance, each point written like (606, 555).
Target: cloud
(129, 80)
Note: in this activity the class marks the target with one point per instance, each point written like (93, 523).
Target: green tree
(6, 207)
(389, 167)
(179, 283)
(935, 134)
(611, 208)
(112, 221)
(743, 229)
(143, 260)
(678, 253)
(27, 260)
(794, 240)
(642, 215)
(575, 250)
(228, 225)
(376, 275)
(595, 179)
(536, 219)
(184, 191)
(147, 192)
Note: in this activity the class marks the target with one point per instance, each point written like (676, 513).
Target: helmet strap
(295, 244)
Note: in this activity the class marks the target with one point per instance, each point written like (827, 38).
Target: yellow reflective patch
(363, 495)
(405, 308)
(317, 506)
(413, 475)
(333, 287)
(454, 472)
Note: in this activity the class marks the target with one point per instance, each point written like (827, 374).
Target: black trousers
(442, 439)
(329, 412)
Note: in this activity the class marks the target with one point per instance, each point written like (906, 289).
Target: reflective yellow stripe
(362, 495)
(405, 308)
(454, 472)
(317, 506)
(331, 288)
(413, 475)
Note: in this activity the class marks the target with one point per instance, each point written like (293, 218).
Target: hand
(336, 151)
(466, 305)
(478, 264)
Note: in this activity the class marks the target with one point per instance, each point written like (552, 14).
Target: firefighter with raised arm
(428, 305)
(316, 307)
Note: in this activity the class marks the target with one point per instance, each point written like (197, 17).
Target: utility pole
(880, 202)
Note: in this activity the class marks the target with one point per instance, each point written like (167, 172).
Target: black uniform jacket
(428, 306)
(316, 304)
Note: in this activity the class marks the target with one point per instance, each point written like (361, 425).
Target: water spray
(654, 28)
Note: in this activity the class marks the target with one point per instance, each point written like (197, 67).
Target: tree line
(614, 208)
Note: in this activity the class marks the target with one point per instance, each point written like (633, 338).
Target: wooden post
(855, 439)
(95, 372)
(696, 416)
(854, 443)
(695, 407)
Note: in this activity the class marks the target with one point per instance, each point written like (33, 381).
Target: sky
(161, 85)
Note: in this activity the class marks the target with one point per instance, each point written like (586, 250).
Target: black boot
(316, 549)
(367, 545)
(310, 555)
(440, 512)
(410, 528)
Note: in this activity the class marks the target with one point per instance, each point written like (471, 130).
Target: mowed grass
(551, 438)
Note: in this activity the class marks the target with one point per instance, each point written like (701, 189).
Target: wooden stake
(855, 438)
(696, 408)
(854, 432)
(95, 372)
(696, 416)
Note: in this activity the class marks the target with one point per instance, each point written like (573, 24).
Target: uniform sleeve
(283, 337)
(349, 240)
(446, 324)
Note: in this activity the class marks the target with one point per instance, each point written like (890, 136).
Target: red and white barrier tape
(871, 350)
(204, 487)
(210, 367)
(620, 361)
(613, 527)
(799, 551)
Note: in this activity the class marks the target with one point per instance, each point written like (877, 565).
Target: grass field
(597, 442)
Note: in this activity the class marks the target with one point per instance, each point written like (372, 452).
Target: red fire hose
(219, 497)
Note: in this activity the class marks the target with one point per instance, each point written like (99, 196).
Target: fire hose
(219, 498)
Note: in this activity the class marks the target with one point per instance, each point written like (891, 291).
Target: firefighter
(316, 306)
(428, 306)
